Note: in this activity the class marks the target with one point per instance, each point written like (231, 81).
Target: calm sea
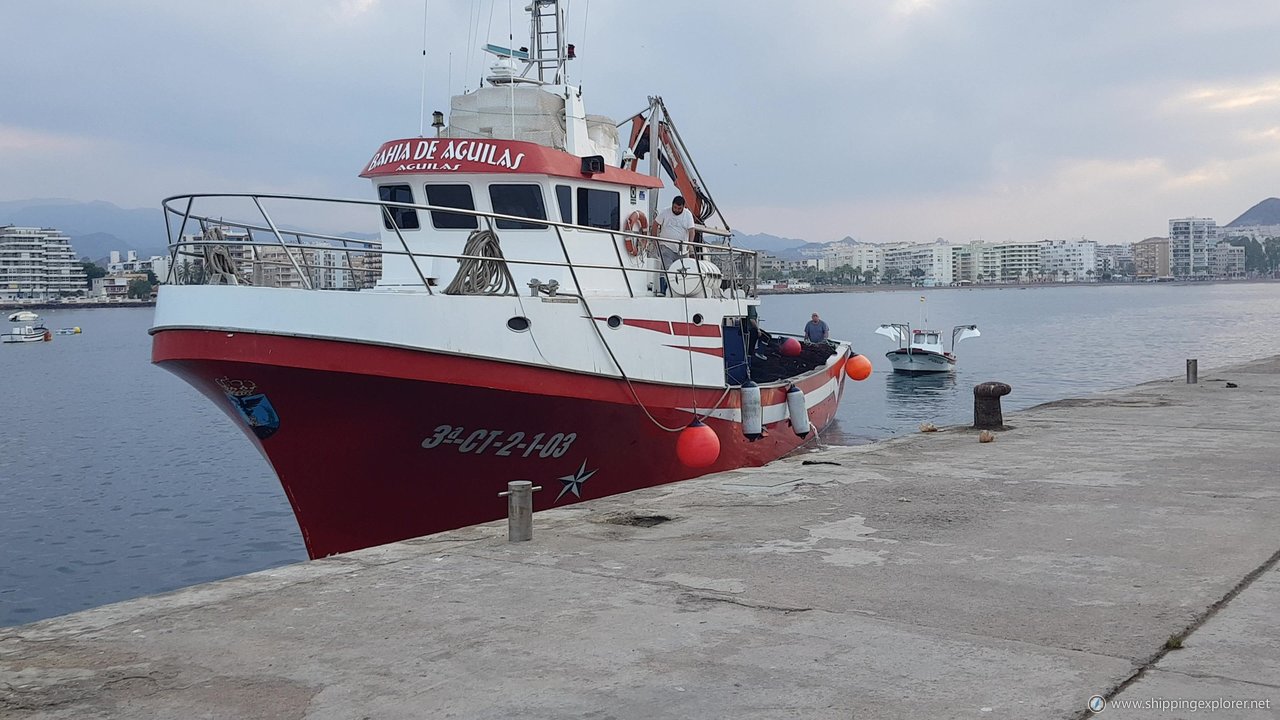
(119, 480)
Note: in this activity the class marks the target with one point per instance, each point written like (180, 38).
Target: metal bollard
(986, 405)
(519, 496)
(1193, 372)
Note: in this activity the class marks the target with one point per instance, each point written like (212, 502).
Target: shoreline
(10, 307)
(1006, 286)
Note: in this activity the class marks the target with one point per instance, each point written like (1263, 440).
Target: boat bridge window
(599, 208)
(405, 218)
(521, 201)
(564, 198)
(931, 338)
(455, 196)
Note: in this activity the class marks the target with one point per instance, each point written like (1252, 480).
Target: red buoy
(858, 367)
(790, 347)
(698, 446)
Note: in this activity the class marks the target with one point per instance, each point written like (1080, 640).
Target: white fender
(796, 409)
(752, 426)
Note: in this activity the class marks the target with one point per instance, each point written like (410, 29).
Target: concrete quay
(930, 576)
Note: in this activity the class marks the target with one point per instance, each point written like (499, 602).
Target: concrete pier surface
(931, 576)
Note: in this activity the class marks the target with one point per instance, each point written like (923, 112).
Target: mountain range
(1266, 212)
(96, 228)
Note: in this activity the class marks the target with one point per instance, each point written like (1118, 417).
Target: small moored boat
(921, 351)
(27, 334)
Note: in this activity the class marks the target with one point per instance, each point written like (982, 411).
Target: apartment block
(1113, 260)
(38, 264)
(1069, 260)
(1152, 259)
(924, 264)
(1189, 243)
(1226, 261)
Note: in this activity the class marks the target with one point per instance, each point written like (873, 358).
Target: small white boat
(23, 316)
(921, 351)
(26, 334)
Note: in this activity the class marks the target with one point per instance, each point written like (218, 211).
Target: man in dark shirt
(816, 330)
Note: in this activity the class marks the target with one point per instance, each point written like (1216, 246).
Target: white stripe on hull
(920, 361)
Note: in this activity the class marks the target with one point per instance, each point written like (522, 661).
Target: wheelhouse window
(521, 201)
(599, 208)
(404, 218)
(564, 198)
(454, 196)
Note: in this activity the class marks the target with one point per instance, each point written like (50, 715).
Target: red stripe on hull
(376, 444)
(662, 326)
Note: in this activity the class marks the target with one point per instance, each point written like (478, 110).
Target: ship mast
(546, 36)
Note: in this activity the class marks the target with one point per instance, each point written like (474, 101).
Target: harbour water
(122, 481)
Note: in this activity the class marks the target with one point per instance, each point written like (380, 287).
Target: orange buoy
(790, 347)
(698, 446)
(858, 367)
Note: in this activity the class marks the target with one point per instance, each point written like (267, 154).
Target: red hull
(376, 444)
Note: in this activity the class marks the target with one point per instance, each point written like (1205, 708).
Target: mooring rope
(487, 276)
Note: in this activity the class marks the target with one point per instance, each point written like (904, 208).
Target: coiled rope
(486, 272)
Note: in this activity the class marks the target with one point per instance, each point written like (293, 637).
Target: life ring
(637, 222)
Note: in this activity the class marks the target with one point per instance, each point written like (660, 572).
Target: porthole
(518, 324)
(615, 322)
(697, 318)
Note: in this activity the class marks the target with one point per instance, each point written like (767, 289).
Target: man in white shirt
(675, 224)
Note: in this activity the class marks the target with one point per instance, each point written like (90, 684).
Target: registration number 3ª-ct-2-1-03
(500, 442)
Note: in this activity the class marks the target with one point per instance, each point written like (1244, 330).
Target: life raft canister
(637, 222)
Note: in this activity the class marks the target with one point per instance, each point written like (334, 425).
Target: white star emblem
(573, 483)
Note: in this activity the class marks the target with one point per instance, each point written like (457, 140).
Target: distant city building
(927, 265)
(157, 264)
(114, 287)
(866, 257)
(1017, 261)
(327, 267)
(1226, 261)
(1114, 261)
(1151, 259)
(38, 264)
(770, 265)
(1069, 260)
(1189, 243)
(1253, 232)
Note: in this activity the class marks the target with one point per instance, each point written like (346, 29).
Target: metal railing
(260, 252)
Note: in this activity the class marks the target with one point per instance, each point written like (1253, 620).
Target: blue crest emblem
(255, 408)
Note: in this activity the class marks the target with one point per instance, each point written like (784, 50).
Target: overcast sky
(887, 120)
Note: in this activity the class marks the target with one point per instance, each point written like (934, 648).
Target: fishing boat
(512, 320)
(29, 333)
(922, 351)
